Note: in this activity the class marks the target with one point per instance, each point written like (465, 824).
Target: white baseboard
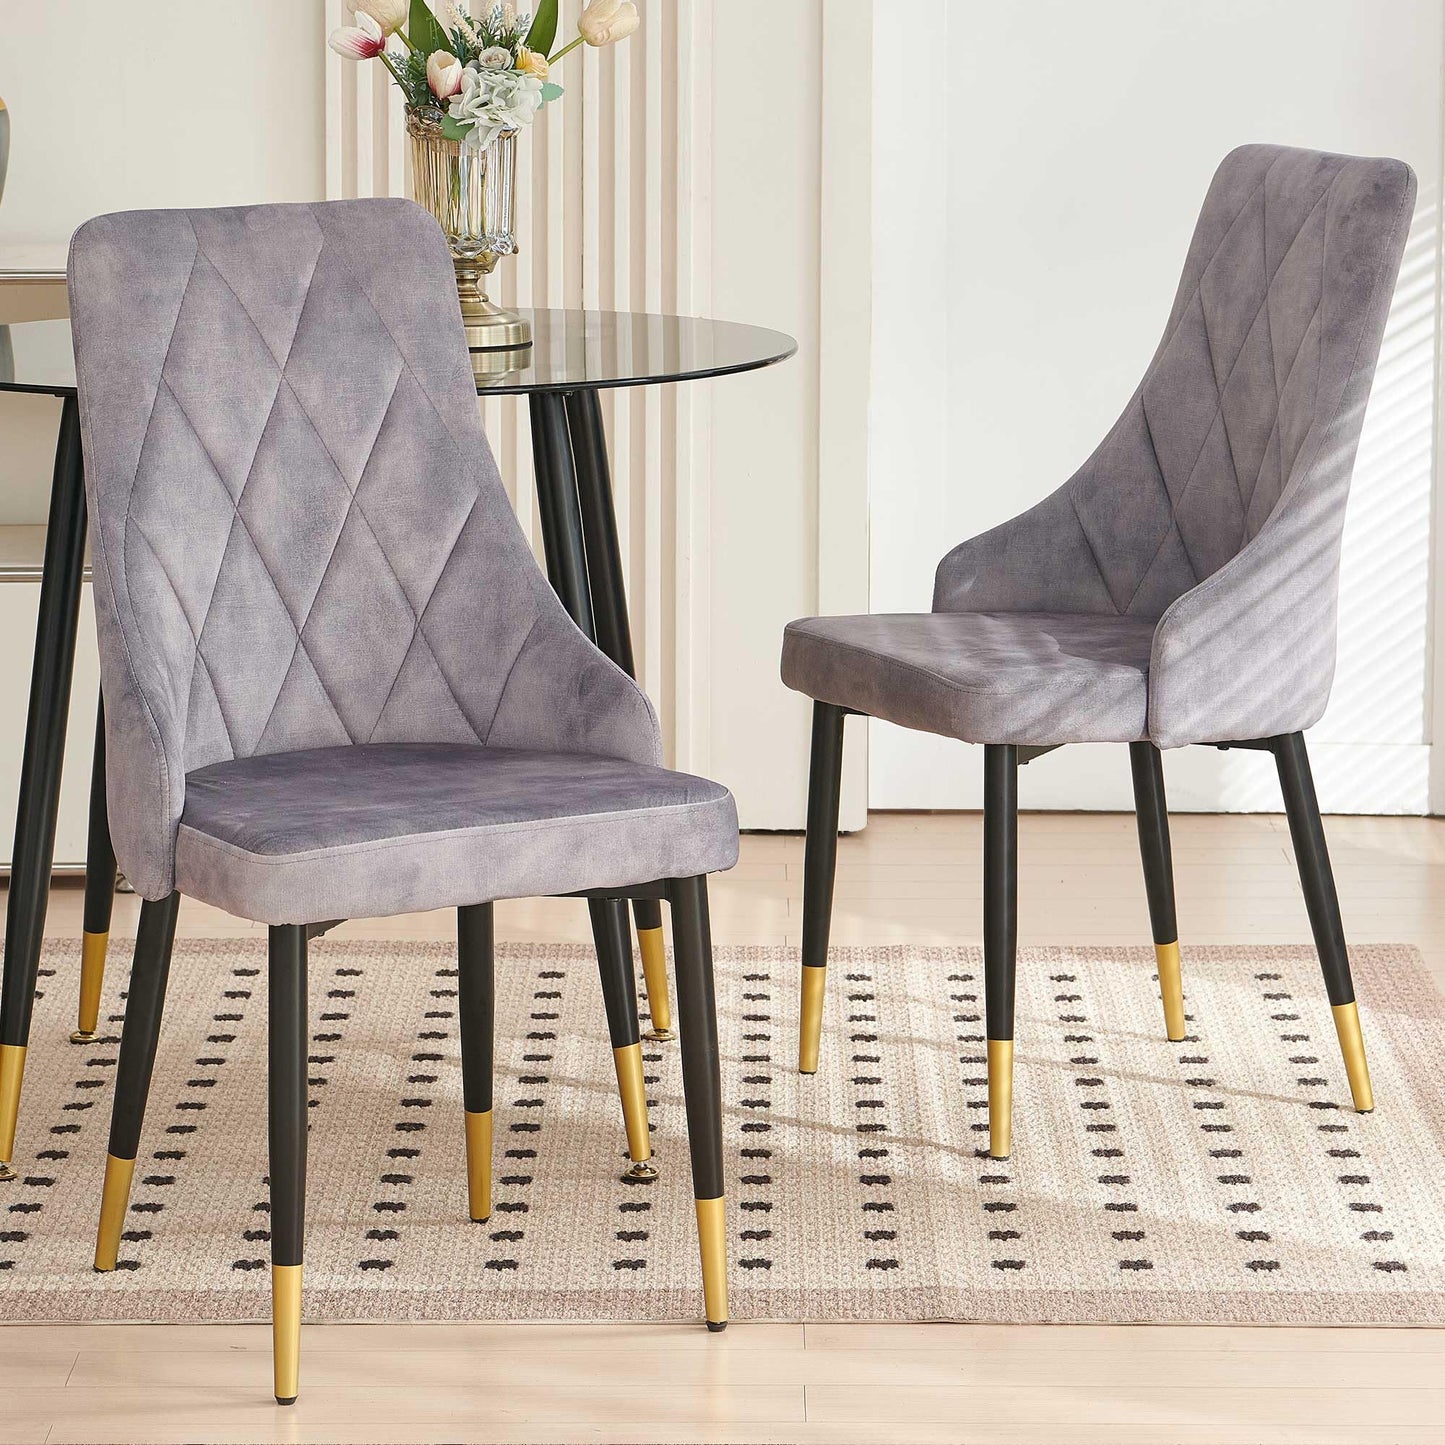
(909, 771)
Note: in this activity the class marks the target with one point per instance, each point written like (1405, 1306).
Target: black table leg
(614, 636)
(557, 503)
(599, 529)
(555, 462)
(99, 895)
(40, 765)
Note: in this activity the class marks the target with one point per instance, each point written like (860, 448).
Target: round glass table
(574, 355)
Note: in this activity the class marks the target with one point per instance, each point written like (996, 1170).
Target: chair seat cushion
(377, 829)
(986, 677)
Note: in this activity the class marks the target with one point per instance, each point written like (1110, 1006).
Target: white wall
(1030, 259)
(763, 538)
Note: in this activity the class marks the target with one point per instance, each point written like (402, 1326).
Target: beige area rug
(1215, 1180)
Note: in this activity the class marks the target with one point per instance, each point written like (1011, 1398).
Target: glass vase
(472, 193)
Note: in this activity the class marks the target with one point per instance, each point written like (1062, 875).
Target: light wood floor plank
(1319, 1344)
(132, 1413)
(1161, 1405)
(649, 1371)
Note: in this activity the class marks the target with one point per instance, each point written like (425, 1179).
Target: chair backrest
(299, 533)
(1277, 323)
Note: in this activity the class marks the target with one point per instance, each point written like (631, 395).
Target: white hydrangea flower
(492, 101)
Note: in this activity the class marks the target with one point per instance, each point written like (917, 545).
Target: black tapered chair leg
(702, 1087)
(1000, 934)
(613, 938)
(287, 1040)
(820, 861)
(1312, 857)
(145, 1000)
(476, 1008)
(99, 895)
(1151, 813)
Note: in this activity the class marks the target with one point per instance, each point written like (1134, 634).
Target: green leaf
(424, 30)
(550, 92)
(453, 129)
(544, 27)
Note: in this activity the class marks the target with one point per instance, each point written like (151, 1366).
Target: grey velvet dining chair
(1181, 587)
(336, 684)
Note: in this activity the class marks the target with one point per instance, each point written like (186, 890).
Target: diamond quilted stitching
(1255, 266)
(240, 246)
(416, 526)
(247, 642)
(345, 403)
(422, 698)
(306, 575)
(361, 628)
(294, 527)
(1244, 328)
(492, 613)
(304, 714)
(188, 547)
(230, 425)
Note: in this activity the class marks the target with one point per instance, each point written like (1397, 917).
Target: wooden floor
(907, 877)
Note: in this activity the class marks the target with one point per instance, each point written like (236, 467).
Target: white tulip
(603, 22)
(389, 14)
(362, 41)
(443, 74)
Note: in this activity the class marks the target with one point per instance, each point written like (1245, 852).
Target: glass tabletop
(570, 350)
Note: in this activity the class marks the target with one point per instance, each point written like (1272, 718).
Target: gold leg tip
(653, 948)
(286, 1332)
(640, 1171)
(12, 1075)
(82, 1036)
(1171, 990)
(716, 1327)
(114, 1201)
(479, 1165)
(810, 1018)
(712, 1238)
(660, 1036)
(633, 1091)
(7, 1173)
(1000, 1098)
(1352, 1050)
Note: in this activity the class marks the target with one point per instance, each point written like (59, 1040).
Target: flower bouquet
(470, 85)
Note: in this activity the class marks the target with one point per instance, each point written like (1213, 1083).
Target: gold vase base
(492, 329)
(499, 361)
(499, 341)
